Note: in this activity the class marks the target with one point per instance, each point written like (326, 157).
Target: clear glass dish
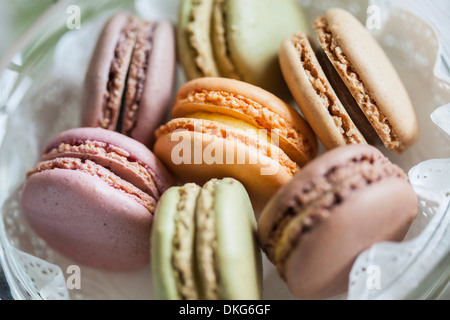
(40, 89)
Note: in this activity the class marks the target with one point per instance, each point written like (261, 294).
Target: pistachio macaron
(350, 92)
(233, 39)
(228, 128)
(339, 205)
(204, 244)
(129, 82)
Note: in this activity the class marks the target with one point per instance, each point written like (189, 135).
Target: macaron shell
(97, 76)
(320, 263)
(159, 82)
(253, 43)
(235, 227)
(301, 150)
(375, 71)
(163, 231)
(224, 61)
(253, 174)
(84, 218)
(315, 95)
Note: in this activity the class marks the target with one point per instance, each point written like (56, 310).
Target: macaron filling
(118, 74)
(93, 169)
(361, 94)
(256, 114)
(232, 135)
(206, 242)
(321, 86)
(117, 160)
(136, 78)
(315, 201)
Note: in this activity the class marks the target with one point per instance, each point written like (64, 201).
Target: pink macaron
(92, 197)
(129, 82)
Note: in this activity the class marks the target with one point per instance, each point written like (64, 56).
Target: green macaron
(204, 244)
(237, 39)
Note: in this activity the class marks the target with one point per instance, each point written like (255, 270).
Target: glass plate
(40, 90)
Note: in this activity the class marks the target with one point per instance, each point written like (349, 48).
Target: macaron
(232, 39)
(339, 205)
(227, 128)
(350, 93)
(129, 82)
(204, 244)
(92, 197)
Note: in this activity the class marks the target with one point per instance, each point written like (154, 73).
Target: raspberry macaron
(92, 197)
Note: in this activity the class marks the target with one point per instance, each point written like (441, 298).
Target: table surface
(436, 13)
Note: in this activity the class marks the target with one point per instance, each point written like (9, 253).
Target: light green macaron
(204, 244)
(237, 39)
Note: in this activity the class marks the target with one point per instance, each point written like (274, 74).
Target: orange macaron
(228, 128)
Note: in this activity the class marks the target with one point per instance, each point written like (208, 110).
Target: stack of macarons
(199, 187)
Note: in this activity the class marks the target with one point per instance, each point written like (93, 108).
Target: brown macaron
(339, 205)
(348, 93)
(128, 85)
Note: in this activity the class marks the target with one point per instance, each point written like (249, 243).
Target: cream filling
(359, 91)
(211, 128)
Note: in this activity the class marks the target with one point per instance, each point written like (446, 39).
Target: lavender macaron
(129, 82)
(92, 197)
